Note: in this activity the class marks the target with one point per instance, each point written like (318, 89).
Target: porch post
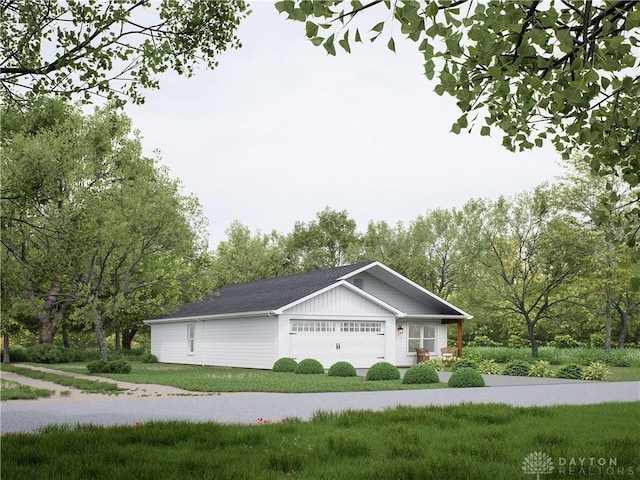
(459, 323)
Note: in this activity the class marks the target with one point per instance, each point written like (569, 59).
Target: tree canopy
(110, 49)
(561, 71)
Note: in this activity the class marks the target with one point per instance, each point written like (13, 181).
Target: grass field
(16, 391)
(90, 386)
(457, 442)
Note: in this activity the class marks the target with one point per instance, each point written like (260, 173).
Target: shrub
(473, 354)
(285, 364)
(18, 354)
(464, 363)
(570, 371)
(517, 368)
(596, 371)
(489, 367)
(115, 366)
(435, 363)
(383, 371)
(421, 373)
(46, 353)
(148, 357)
(309, 366)
(466, 377)
(342, 369)
(541, 368)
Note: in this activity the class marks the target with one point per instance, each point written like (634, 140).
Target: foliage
(309, 366)
(360, 444)
(541, 71)
(421, 373)
(596, 371)
(541, 368)
(464, 363)
(489, 367)
(383, 371)
(111, 50)
(342, 369)
(570, 371)
(465, 377)
(435, 363)
(113, 366)
(517, 368)
(148, 357)
(285, 364)
(46, 353)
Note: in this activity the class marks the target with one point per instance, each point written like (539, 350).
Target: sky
(280, 130)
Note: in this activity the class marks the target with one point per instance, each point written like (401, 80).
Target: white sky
(280, 130)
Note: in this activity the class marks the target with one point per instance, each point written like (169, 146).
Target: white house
(362, 313)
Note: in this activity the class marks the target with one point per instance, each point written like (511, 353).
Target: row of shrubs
(625, 357)
(519, 368)
(47, 353)
(417, 374)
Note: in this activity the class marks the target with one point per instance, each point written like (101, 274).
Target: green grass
(212, 379)
(455, 442)
(16, 391)
(89, 386)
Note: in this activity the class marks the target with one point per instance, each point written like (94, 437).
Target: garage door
(360, 343)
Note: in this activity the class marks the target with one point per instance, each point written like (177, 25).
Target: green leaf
(285, 6)
(378, 27)
(329, 46)
(311, 29)
(358, 38)
(485, 131)
(317, 41)
(344, 43)
(391, 45)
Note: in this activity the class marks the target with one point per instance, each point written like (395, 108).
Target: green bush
(570, 371)
(464, 363)
(383, 371)
(47, 353)
(18, 354)
(148, 357)
(114, 366)
(517, 368)
(466, 377)
(489, 367)
(285, 364)
(435, 363)
(309, 366)
(421, 373)
(342, 369)
(541, 368)
(596, 371)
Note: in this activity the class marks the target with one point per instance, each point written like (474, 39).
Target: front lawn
(16, 391)
(214, 379)
(492, 442)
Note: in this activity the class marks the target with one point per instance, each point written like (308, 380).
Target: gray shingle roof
(264, 295)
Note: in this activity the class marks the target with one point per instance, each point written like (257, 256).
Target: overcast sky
(281, 130)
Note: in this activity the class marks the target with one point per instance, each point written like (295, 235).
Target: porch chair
(449, 352)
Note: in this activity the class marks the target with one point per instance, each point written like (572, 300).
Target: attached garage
(355, 313)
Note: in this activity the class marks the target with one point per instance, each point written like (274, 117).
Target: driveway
(150, 405)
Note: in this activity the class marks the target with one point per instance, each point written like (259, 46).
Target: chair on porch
(421, 355)
(449, 352)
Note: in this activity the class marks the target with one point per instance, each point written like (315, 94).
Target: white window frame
(312, 326)
(361, 327)
(191, 338)
(423, 338)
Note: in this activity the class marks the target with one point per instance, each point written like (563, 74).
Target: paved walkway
(19, 416)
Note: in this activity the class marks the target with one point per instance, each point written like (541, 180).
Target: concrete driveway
(29, 415)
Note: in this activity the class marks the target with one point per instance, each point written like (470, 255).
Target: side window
(421, 335)
(191, 337)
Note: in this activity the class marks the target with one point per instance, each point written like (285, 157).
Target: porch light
(400, 330)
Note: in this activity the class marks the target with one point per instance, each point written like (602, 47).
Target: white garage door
(360, 343)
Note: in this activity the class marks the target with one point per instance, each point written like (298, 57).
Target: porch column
(458, 322)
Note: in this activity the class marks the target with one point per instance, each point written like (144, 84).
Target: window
(422, 335)
(312, 326)
(191, 337)
(370, 327)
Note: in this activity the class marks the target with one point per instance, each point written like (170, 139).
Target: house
(362, 313)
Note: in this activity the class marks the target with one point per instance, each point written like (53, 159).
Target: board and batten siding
(390, 295)
(236, 342)
(338, 301)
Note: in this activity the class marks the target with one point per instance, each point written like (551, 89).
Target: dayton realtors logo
(539, 463)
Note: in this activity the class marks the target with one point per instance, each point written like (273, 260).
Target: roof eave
(220, 316)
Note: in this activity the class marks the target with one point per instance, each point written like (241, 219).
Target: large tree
(564, 71)
(110, 49)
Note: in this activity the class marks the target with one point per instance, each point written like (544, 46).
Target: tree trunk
(607, 325)
(127, 338)
(5, 346)
(65, 336)
(99, 332)
(532, 338)
(118, 341)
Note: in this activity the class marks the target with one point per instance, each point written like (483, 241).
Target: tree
(91, 230)
(110, 49)
(567, 72)
(326, 242)
(526, 255)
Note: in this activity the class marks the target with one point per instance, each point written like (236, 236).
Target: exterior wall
(389, 295)
(404, 358)
(338, 305)
(236, 342)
